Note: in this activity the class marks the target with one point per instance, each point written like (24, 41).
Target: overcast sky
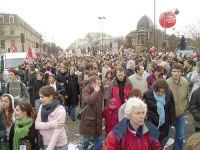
(64, 21)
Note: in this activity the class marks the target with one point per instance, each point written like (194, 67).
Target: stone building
(11, 29)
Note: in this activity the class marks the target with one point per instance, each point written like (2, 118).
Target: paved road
(73, 136)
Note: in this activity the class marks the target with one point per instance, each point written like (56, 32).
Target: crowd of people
(141, 97)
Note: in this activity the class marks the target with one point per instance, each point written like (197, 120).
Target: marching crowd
(141, 97)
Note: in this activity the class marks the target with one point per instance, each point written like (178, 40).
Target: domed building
(142, 35)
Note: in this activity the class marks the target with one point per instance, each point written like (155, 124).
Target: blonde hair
(134, 102)
(198, 67)
(163, 64)
(193, 143)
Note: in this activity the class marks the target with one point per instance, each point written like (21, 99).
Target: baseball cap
(10, 68)
(112, 103)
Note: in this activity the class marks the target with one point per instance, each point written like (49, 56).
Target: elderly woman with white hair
(130, 67)
(133, 132)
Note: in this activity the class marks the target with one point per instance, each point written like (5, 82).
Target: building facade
(12, 29)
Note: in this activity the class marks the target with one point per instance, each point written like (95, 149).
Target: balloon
(153, 48)
(170, 19)
(59, 52)
(129, 49)
(133, 51)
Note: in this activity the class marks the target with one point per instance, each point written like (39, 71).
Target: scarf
(47, 109)
(160, 107)
(21, 132)
(139, 131)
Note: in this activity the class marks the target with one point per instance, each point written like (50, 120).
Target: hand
(97, 88)
(27, 88)
(66, 96)
(59, 124)
(62, 84)
(78, 96)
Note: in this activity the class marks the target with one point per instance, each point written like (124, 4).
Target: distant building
(11, 28)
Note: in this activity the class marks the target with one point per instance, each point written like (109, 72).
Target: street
(73, 136)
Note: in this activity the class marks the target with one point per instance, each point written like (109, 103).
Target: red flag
(29, 54)
(121, 48)
(14, 49)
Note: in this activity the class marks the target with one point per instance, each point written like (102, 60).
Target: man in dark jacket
(130, 67)
(194, 108)
(32, 77)
(91, 120)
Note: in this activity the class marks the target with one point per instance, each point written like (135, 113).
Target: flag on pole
(14, 49)
(121, 48)
(28, 56)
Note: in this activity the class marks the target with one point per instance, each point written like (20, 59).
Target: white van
(11, 60)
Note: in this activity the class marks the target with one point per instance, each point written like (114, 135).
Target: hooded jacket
(123, 138)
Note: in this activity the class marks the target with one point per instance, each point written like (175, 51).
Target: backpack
(7, 89)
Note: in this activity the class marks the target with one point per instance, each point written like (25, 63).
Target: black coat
(30, 138)
(36, 87)
(152, 114)
(61, 77)
(195, 107)
(31, 79)
(129, 72)
(71, 90)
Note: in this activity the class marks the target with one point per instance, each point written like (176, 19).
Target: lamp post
(165, 14)
(102, 30)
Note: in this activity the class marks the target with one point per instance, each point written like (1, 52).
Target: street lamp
(102, 30)
(165, 14)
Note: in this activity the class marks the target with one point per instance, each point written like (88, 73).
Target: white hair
(134, 102)
(130, 64)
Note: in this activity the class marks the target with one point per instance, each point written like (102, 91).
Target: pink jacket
(111, 118)
(52, 137)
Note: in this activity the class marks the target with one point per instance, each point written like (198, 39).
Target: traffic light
(37, 45)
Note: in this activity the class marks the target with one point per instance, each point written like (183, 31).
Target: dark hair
(93, 79)
(48, 68)
(177, 66)
(175, 59)
(32, 67)
(93, 73)
(120, 69)
(160, 84)
(15, 72)
(48, 91)
(41, 74)
(88, 67)
(138, 60)
(137, 68)
(19, 67)
(134, 92)
(157, 68)
(9, 119)
(53, 76)
(190, 61)
(27, 107)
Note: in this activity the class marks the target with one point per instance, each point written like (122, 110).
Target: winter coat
(50, 134)
(36, 88)
(91, 119)
(81, 79)
(195, 79)
(111, 118)
(113, 91)
(153, 116)
(2, 124)
(180, 92)
(61, 77)
(151, 79)
(129, 72)
(30, 140)
(194, 107)
(71, 90)
(31, 79)
(123, 138)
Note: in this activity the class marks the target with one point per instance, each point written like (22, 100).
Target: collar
(138, 77)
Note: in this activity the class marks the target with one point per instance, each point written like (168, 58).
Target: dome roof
(145, 21)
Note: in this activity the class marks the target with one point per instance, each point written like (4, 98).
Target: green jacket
(180, 92)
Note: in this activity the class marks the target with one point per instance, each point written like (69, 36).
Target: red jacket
(113, 91)
(111, 118)
(129, 141)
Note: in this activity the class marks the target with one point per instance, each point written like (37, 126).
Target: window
(1, 19)
(12, 30)
(1, 31)
(2, 44)
(11, 19)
